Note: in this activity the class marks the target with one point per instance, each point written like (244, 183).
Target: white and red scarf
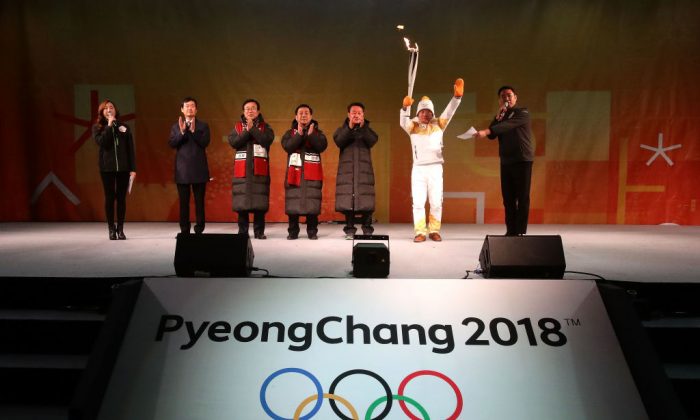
(261, 165)
(313, 169)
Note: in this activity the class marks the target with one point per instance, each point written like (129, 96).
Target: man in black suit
(190, 137)
(511, 126)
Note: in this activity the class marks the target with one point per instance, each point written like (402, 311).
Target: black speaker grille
(535, 256)
(213, 255)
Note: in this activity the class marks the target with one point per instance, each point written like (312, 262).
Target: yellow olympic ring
(346, 403)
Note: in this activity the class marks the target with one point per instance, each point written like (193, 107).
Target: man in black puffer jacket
(354, 188)
(251, 138)
(303, 182)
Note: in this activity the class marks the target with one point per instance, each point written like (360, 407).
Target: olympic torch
(412, 65)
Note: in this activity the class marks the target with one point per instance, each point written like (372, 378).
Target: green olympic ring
(409, 400)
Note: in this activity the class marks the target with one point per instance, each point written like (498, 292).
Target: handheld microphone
(114, 133)
(503, 111)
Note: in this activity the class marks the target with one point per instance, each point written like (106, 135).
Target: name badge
(259, 151)
(295, 159)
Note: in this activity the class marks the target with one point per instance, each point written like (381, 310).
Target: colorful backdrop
(611, 87)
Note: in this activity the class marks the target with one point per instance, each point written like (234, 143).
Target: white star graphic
(660, 150)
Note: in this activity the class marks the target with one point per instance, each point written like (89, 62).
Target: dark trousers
(183, 191)
(311, 224)
(258, 222)
(115, 186)
(515, 188)
(365, 218)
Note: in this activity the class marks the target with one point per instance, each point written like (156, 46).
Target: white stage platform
(660, 254)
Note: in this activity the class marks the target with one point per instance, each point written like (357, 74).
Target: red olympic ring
(449, 381)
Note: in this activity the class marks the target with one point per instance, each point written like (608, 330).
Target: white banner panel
(363, 348)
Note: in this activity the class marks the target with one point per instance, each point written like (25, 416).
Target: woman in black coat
(117, 163)
(303, 182)
(251, 138)
(354, 188)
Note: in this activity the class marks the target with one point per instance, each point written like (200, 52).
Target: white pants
(426, 182)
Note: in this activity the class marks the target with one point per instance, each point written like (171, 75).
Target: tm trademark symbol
(573, 322)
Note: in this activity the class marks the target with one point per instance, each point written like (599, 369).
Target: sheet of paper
(467, 134)
(131, 183)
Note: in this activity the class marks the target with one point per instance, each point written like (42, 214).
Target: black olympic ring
(382, 382)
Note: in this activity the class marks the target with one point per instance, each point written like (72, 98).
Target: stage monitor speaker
(370, 260)
(526, 257)
(213, 255)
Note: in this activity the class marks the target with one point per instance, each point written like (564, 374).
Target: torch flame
(408, 45)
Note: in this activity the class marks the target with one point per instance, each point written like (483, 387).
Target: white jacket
(426, 139)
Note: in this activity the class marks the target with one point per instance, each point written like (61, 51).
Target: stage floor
(660, 254)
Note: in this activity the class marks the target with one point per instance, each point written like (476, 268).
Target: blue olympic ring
(317, 384)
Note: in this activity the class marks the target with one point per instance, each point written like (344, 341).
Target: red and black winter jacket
(304, 177)
(251, 168)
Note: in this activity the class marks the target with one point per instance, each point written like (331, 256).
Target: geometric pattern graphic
(660, 150)
(51, 178)
(624, 188)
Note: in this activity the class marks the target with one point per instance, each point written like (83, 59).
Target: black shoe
(198, 230)
(292, 237)
(313, 236)
(120, 232)
(112, 233)
(260, 236)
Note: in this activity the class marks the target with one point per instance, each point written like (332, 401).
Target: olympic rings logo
(335, 399)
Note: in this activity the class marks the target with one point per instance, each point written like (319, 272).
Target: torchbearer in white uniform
(426, 143)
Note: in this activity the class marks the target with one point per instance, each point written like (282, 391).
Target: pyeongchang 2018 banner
(370, 349)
